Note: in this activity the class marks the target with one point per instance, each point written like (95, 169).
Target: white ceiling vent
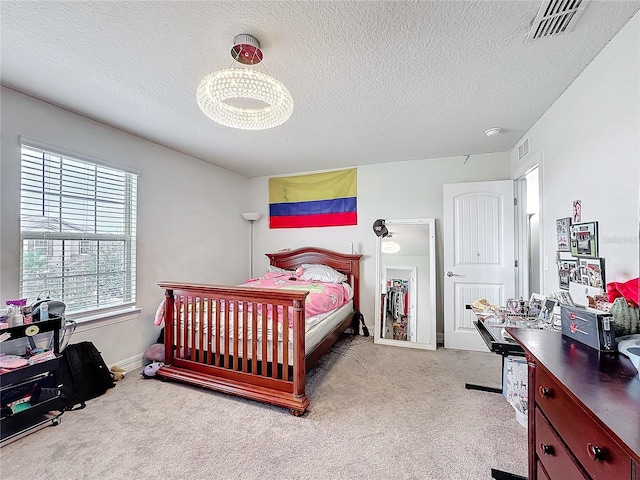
(556, 17)
(523, 149)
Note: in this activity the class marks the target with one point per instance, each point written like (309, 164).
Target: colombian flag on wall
(316, 200)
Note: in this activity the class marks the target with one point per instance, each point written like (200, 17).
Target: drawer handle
(545, 392)
(546, 449)
(595, 452)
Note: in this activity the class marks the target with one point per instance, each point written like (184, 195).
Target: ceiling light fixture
(244, 98)
(389, 247)
(492, 131)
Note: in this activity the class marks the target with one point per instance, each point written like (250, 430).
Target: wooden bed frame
(279, 380)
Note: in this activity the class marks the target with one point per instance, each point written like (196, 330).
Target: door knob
(451, 274)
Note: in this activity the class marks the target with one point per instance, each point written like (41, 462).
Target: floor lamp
(251, 217)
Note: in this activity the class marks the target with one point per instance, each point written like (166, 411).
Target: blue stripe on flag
(336, 205)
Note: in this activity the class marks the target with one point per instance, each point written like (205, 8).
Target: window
(78, 232)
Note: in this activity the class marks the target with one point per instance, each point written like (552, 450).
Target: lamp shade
(251, 216)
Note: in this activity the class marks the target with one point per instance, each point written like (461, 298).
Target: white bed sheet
(314, 335)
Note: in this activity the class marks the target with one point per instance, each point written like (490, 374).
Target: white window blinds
(78, 232)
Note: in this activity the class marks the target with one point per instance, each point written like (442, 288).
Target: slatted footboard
(249, 341)
(237, 340)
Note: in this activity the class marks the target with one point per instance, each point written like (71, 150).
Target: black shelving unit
(49, 407)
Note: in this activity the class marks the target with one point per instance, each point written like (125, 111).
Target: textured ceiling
(372, 82)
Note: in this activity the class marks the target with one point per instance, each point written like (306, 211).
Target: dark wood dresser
(584, 410)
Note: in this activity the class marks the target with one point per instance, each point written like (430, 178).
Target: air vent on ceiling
(556, 17)
(523, 149)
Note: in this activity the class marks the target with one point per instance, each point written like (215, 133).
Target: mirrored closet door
(406, 284)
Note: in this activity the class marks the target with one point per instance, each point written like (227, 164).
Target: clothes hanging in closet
(397, 303)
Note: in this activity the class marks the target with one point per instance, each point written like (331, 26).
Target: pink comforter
(323, 297)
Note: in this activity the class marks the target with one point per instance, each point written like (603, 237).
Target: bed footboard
(237, 340)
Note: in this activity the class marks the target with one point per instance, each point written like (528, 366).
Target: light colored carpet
(379, 412)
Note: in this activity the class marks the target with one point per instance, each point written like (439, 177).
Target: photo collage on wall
(577, 252)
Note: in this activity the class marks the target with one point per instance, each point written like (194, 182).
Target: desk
(503, 346)
(492, 336)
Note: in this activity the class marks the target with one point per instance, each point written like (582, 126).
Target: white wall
(589, 143)
(208, 242)
(411, 189)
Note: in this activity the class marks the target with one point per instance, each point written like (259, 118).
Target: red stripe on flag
(321, 220)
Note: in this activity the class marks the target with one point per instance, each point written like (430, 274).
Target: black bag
(358, 318)
(83, 375)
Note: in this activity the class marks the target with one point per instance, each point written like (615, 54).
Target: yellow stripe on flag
(316, 186)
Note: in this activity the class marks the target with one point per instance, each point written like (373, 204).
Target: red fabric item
(628, 290)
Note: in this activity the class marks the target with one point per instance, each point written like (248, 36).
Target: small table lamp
(251, 217)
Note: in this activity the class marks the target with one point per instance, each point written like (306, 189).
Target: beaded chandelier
(244, 98)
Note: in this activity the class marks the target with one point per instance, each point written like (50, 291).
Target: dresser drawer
(600, 456)
(552, 453)
(540, 473)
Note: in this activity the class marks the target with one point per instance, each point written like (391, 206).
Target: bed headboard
(349, 264)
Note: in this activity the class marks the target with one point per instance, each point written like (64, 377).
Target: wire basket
(521, 320)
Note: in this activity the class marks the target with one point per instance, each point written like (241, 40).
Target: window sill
(105, 319)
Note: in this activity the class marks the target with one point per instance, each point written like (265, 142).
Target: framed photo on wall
(592, 272)
(567, 272)
(584, 239)
(563, 226)
(577, 211)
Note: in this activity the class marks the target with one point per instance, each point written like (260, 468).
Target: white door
(479, 259)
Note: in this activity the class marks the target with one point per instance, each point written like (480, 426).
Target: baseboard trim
(138, 361)
(131, 363)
